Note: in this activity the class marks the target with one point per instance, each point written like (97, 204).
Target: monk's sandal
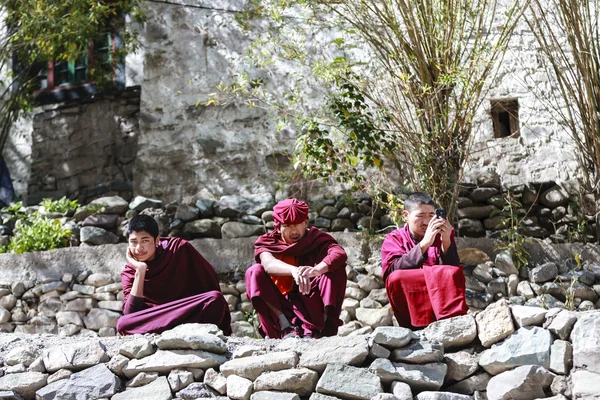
(290, 332)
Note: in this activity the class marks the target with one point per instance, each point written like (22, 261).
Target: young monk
(166, 282)
(299, 284)
(421, 267)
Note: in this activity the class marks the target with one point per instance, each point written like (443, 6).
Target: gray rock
(378, 351)
(472, 384)
(319, 396)
(339, 225)
(422, 377)
(202, 228)
(99, 279)
(561, 357)
(205, 206)
(494, 323)
(111, 204)
(419, 352)
(452, 332)
(385, 370)
(75, 356)
(252, 220)
(561, 385)
(215, 380)
(21, 355)
(504, 263)
(104, 221)
(349, 382)
(474, 284)
(98, 318)
(81, 304)
(179, 379)
(186, 212)
(141, 379)
(543, 273)
(93, 383)
(475, 212)
(164, 361)
(527, 346)
(427, 395)
(9, 395)
(236, 229)
(277, 396)
(97, 236)
(401, 390)
(481, 194)
(554, 197)
(59, 375)
(562, 324)
(140, 203)
(471, 227)
(522, 383)
(483, 273)
(238, 388)
(368, 222)
(252, 367)
(370, 282)
(193, 336)
(586, 342)
(4, 315)
(157, 390)
(233, 206)
(461, 365)
(374, 317)
(137, 348)
(317, 354)
(392, 337)
(586, 385)
(24, 384)
(546, 301)
(528, 316)
(329, 212)
(301, 381)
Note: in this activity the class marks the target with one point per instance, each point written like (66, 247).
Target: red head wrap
(290, 211)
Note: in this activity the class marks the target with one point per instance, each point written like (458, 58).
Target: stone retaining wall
(501, 353)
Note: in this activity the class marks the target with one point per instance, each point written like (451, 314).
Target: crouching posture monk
(421, 267)
(166, 282)
(299, 286)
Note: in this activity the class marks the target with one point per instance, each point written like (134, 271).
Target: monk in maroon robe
(423, 279)
(166, 282)
(299, 284)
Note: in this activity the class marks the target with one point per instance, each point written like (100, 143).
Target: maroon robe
(422, 288)
(180, 287)
(306, 311)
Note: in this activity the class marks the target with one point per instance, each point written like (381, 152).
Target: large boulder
(586, 342)
(452, 332)
(234, 206)
(522, 383)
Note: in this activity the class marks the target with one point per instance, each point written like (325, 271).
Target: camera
(440, 213)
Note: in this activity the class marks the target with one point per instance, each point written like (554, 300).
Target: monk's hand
(137, 265)
(301, 280)
(446, 230)
(310, 272)
(434, 228)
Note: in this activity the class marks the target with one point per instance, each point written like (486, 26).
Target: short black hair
(417, 199)
(141, 223)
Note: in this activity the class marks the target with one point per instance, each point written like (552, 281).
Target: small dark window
(505, 117)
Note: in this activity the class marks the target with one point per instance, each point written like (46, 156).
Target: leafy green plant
(38, 233)
(62, 206)
(97, 208)
(510, 238)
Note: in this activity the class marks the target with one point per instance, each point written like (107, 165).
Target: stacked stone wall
(85, 149)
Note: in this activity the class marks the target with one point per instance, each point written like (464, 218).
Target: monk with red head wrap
(299, 283)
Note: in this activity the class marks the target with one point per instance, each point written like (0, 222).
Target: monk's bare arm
(276, 267)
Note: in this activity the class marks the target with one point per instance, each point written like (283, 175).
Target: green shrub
(62, 206)
(37, 233)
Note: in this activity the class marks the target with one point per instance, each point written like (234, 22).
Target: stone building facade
(184, 150)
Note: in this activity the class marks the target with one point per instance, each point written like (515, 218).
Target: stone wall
(86, 149)
(229, 150)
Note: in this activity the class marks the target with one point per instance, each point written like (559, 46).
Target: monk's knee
(216, 299)
(393, 281)
(253, 272)
(123, 325)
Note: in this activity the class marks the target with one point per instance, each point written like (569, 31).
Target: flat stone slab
(251, 367)
(157, 390)
(163, 361)
(527, 346)
(96, 382)
(586, 385)
(392, 337)
(301, 381)
(452, 332)
(585, 338)
(24, 384)
(349, 382)
(419, 352)
(526, 382)
(422, 377)
(194, 337)
(75, 356)
(316, 354)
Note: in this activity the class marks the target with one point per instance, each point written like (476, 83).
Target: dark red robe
(180, 287)
(306, 311)
(422, 288)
